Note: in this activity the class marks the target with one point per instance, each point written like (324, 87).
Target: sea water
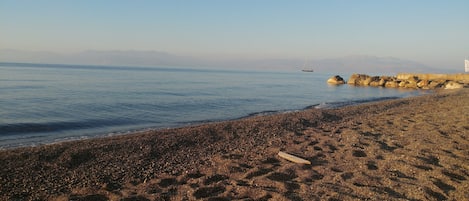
(43, 103)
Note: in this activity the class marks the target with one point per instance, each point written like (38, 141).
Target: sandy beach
(406, 149)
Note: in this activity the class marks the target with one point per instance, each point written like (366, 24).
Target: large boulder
(353, 79)
(384, 79)
(358, 79)
(436, 84)
(392, 84)
(411, 85)
(364, 80)
(423, 84)
(336, 80)
(453, 85)
(402, 83)
(372, 81)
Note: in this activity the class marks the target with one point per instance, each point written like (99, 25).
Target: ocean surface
(43, 103)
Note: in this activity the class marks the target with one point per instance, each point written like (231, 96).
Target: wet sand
(407, 149)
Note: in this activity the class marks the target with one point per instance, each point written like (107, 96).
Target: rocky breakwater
(408, 80)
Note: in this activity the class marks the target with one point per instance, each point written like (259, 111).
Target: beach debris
(293, 158)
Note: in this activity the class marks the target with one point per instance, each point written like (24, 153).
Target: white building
(466, 65)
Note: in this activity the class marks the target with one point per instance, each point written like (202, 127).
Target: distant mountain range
(348, 64)
(124, 58)
(371, 64)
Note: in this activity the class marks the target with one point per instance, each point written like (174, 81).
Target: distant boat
(305, 69)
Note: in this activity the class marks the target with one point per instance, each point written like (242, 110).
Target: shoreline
(326, 105)
(360, 151)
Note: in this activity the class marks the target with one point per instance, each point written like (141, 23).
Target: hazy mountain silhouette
(348, 64)
(370, 64)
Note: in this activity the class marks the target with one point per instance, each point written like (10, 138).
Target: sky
(434, 33)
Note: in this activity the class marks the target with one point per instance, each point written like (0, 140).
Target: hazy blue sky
(432, 32)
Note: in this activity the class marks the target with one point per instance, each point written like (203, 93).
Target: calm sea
(42, 103)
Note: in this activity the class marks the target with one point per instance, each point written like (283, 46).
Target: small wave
(329, 105)
(263, 113)
(270, 112)
(23, 128)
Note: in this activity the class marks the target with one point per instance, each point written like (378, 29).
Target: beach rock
(402, 84)
(372, 81)
(353, 78)
(336, 80)
(364, 80)
(411, 85)
(382, 82)
(384, 79)
(453, 85)
(358, 79)
(375, 84)
(392, 84)
(423, 84)
(436, 84)
(410, 82)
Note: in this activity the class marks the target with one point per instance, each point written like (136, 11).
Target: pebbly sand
(407, 149)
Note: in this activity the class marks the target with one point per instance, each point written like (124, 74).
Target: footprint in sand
(358, 153)
(453, 176)
(371, 165)
(206, 192)
(282, 177)
(347, 175)
(215, 178)
(239, 168)
(434, 194)
(153, 189)
(446, 188)
(423, 167)
(96, 197)
(317, 160)
(135, 198)
(195, 175)
(272, 161)
(430, 160)
(164, 183)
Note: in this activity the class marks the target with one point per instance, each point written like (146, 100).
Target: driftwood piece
(292, 158)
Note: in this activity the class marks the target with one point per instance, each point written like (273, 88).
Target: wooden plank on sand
(292, 158)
